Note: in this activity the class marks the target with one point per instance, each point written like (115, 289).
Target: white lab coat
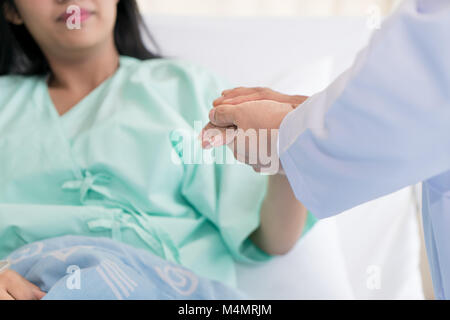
(383, 125)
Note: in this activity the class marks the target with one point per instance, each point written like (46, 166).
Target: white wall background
(265, 7)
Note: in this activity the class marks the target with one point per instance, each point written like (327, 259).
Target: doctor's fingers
(244, 91)
(294, 101)
(253, 160)
(241, 95)
(231, 93)
(237, 94)
(267, 169)
(245, 149)
(243, 157)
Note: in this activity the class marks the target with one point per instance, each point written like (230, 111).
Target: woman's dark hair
(20, 54)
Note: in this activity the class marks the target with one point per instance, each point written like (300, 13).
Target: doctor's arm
(383, 125)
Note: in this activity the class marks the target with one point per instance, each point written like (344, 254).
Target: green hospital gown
(109, 168)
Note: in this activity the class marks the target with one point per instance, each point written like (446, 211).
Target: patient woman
(93, 202)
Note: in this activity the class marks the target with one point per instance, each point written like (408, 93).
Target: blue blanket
(73, 267)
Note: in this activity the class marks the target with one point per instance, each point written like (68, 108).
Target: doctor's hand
(250, 129)
(14, 287)
(241, 95)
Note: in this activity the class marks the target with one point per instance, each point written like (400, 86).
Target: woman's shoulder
(174, 78)
(171, 68)
(9, 82)
(14, 84)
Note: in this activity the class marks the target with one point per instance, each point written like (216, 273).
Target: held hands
(14, 287)
(247, 120)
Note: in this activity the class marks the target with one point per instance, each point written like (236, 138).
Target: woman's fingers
(21, 290)
(18, 288)
(38, 294)
(207, 134)
(24, 290)
(5, 295)
(213, 136)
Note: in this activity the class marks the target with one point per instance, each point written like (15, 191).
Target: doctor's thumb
(223, 116)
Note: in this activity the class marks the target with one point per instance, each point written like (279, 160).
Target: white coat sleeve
(384, 124)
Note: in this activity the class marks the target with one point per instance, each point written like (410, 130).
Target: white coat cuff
(294, 125)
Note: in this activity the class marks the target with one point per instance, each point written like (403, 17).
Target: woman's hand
(241, 95)
(14, 287)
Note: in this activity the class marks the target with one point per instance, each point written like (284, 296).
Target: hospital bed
(369, 252)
